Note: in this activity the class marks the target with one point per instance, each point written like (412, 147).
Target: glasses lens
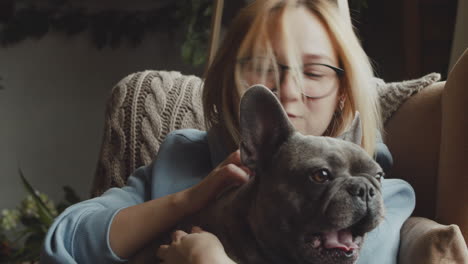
(259, 71)
(319, 80)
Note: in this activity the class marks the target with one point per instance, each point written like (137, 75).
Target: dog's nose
(362, 190)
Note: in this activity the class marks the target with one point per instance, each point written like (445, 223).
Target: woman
(309, 56)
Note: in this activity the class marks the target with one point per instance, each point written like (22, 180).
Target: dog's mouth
(340, 244)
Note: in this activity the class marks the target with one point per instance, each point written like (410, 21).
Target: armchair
(426, 131)
(144, 107)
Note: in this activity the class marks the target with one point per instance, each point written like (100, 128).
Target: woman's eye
(313, 75)
(258, 70)
(320, 176)
(379, 176)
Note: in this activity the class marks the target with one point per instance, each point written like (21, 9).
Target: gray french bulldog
(310, 199)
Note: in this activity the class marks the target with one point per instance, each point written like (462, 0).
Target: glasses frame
(339, 71)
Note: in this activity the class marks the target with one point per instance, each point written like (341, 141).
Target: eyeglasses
(317, 79)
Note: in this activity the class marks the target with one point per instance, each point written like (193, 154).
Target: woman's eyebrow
(316, 57)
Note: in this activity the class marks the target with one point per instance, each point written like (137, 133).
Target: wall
(52, 107)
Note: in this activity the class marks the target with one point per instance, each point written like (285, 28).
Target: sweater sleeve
(81, 233)
(383, 155)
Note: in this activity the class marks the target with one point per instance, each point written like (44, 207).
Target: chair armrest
(453, 174)
(413, 137)
(425, 241)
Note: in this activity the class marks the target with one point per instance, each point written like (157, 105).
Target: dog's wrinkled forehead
(330, 152)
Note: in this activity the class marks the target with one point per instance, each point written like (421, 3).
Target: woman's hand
(198, 247)
(125, 242)
(229, 172)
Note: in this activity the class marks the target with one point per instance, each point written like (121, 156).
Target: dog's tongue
(342, 239)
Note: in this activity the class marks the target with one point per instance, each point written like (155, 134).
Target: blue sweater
(81, 233)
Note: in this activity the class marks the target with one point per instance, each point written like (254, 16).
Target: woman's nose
(289, 89)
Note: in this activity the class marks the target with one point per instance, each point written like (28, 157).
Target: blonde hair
(249, 35)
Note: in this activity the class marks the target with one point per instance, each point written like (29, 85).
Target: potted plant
(23, 229)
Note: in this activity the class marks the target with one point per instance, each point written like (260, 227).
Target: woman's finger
(177, 235)
(247, 170)
(197, 229)
(162, 251)
(235, 174)
(233, 158)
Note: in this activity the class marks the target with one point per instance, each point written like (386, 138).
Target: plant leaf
(70, 195)
(199, 54)
(187, 51)
(44, 214)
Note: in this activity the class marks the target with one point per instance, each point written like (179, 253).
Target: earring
(341, 103)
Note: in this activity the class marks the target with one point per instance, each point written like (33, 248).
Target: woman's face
(310, 115)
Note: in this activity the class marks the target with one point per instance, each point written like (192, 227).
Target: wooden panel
(408, 38)
(438, 24)
(412, 38)
(379, 29)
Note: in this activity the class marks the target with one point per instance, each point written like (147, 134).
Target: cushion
(425, 241)
(392, 95)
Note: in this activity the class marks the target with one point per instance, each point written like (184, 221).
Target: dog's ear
(354, 132)
(263, 123)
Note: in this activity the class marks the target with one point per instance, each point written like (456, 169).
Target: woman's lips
(291, 115)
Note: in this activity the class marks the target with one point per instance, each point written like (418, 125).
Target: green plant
(196, 16)
(23, 229)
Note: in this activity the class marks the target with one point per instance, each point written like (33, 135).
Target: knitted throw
(392, 95)
(144, 107)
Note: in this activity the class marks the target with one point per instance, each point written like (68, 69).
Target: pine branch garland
(108, 28)
(26, 19)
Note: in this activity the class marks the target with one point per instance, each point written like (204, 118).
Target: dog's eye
(379, 176)
(320, 176)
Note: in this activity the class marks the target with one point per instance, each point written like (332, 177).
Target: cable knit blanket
(145, 106)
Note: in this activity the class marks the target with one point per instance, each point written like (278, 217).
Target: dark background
(408, 38)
